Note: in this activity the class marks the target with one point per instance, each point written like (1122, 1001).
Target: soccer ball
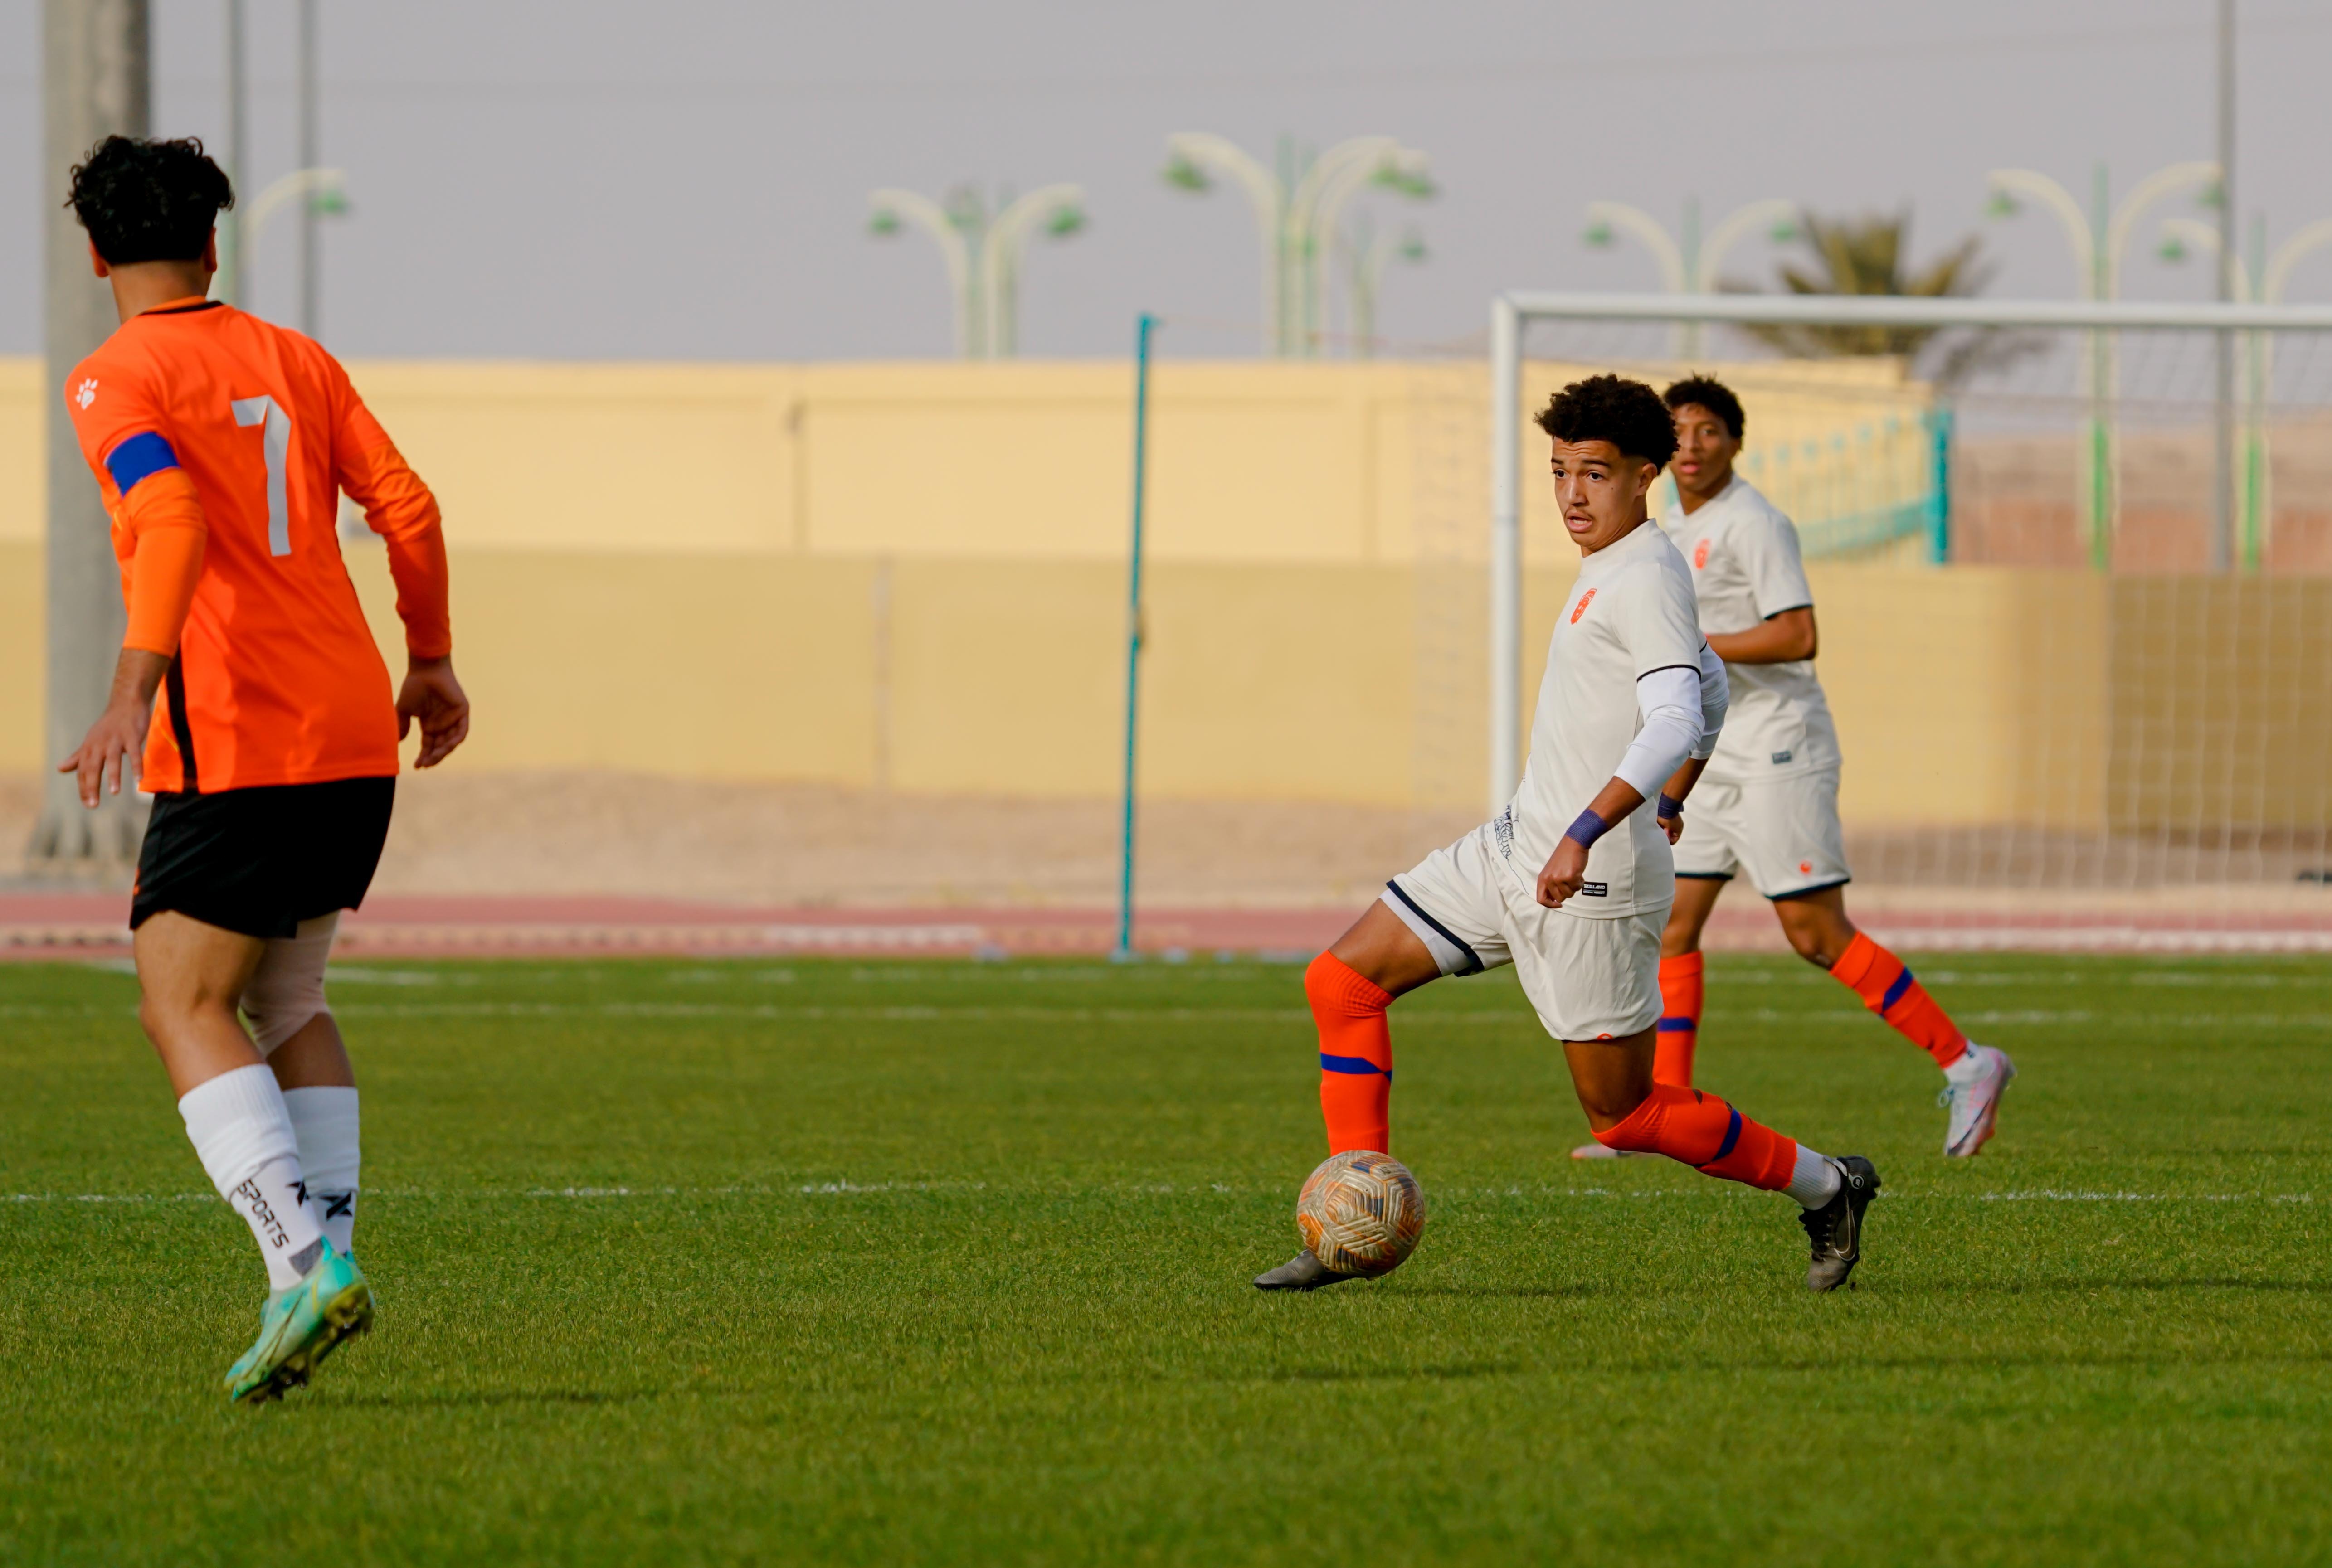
(1360, 1212)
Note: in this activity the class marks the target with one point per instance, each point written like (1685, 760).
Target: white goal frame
(1512, 311)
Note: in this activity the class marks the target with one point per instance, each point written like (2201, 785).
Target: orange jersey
(221, 445)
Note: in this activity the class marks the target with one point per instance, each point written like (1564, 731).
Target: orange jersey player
(221, 445)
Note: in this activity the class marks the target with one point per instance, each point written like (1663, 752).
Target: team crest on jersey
(1700, 556)
(1581, 608)
(86, 394)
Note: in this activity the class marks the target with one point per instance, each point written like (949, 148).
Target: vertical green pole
(2253, 482)
(2102, 395)
(1939, 484)
(1134, 633)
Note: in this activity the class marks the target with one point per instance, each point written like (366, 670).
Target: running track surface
(51, 926)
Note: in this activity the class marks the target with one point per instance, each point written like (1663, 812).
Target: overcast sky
(585, 179)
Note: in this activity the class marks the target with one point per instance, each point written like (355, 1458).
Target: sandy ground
(809, 844)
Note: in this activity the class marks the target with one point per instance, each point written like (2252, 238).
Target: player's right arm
(160, 538)
(399, 508)
(1777, 579)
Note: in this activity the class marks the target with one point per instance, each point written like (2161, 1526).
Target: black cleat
(1301, 1272)
(1836, 1228)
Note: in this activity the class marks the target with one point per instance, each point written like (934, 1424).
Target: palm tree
(1864, 256)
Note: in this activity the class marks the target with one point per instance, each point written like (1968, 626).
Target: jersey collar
(185, 307)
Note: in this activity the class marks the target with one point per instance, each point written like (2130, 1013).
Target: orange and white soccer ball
(1360, 1212)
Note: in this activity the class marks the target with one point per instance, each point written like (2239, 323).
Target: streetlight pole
(2223, 519)
(2098, 240)
(1693, 265)
(95, 83)
(311, 313)
(1371, 253)
(1296, 226)
(1060, 209)
(1189, 156)
(2273, 272)
(229, 283)
(891, 209)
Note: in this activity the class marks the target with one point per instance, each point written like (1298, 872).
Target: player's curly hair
(1627, 414)
(148, 201)
(1706, 392)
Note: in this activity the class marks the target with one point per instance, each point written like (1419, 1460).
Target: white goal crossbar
(1510, 313)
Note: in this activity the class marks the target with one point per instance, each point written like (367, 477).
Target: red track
(52, 925)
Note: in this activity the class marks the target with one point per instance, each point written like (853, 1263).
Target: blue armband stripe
(133, 460)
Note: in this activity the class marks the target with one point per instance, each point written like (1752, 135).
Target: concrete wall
(910, 577)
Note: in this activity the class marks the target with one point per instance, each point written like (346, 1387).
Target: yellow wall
(912, 575)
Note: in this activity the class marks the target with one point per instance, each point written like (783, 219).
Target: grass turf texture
(837, 1262)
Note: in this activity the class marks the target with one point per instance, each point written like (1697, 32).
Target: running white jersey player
(1767, 806)
(1571, 883)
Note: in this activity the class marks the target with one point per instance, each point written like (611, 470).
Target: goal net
(2073, 566)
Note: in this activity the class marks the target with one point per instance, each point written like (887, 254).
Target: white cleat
(1973, 1099)
(1597, 1152)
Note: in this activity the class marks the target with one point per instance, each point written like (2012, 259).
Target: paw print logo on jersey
(1581, 608)
(1700, 556)
(86, 394)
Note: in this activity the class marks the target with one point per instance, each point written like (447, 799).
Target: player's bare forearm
(1672, 796)
(1566, 869)
(105, 758)
(1787, 638)
(433, 697)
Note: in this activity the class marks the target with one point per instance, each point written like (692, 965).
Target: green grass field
(843, 1262)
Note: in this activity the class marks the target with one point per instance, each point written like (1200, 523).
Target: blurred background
(773, 366)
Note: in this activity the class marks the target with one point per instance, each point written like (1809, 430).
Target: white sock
(325, 1121)
(1969, 1065)
(1815, 1181)
(242, 1134)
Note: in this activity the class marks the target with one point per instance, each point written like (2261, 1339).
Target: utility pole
(229, 286)
(311, 314)
(2222, 488)
(95, 83)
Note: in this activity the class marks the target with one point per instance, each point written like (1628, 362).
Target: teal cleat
(300, 1327)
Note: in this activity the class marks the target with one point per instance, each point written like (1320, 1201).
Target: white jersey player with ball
(1571, 883)
(1767, 805)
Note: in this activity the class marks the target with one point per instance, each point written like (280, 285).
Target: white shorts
(1590, 977)
(1783, 833)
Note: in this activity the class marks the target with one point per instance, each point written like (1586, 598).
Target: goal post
(2087, 434)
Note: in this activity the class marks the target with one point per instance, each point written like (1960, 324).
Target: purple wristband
(1587, 828)
(1669, 807)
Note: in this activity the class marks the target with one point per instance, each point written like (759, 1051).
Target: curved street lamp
(324, 190)
(1294, 227)
(894, 209)
(1692, 265)
(2099, 239)
(2255, 368)
(1371, 254)
(1060, 211)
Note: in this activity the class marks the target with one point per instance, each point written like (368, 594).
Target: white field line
(856, 1189)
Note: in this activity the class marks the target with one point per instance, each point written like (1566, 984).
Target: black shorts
(261, 861)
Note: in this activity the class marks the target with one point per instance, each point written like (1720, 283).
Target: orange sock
(1355, 1055)
(1889, 989)
(1679, 1031)
(1708, 1134)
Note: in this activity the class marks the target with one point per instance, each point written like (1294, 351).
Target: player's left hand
(1672, 826)
(108, 757)
(432, 695)
(1565, 873)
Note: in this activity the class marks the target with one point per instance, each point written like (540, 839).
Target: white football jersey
(1746, 570)
(1630, 613)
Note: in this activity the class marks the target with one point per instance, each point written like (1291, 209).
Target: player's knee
(1334, 986)
(286, 992)
(1618, 1126)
